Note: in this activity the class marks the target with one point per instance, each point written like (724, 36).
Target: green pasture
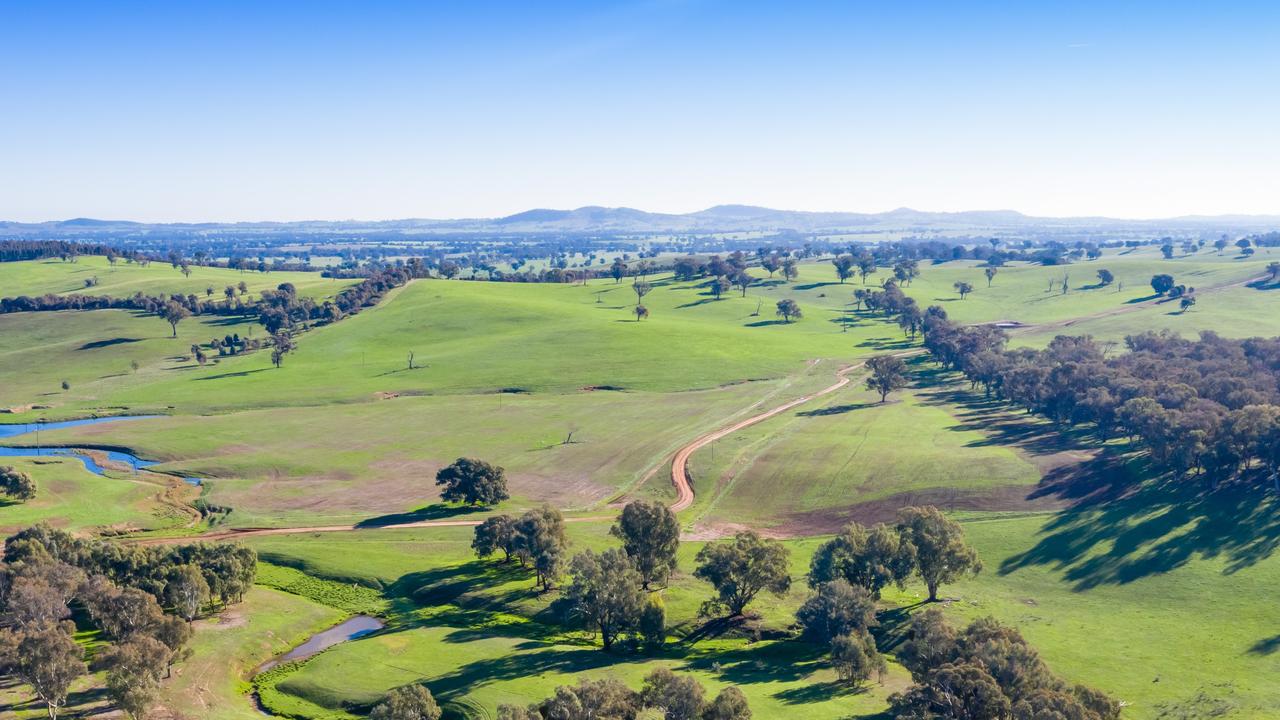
(1181, 629)
(814, 468)
(55, 277)
(94, 352)
(357, 462)
(69, 496)
(471, 337)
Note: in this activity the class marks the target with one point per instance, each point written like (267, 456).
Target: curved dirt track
(679, 477)
(680, 462)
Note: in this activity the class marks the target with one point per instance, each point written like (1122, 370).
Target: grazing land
(1156, 595)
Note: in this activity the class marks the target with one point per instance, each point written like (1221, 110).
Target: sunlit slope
(470, 337)
(40, 277)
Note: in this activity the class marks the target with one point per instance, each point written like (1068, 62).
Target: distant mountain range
(622, 220)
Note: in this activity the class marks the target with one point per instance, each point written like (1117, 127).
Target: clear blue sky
(270, 110)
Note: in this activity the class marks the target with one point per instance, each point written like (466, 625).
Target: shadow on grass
(787, 661)
(444, 585)
(765, 323)
(1266, 646)
(818, 692)
(240, 373)
(437, 511)
(1125, 519)
(1137, 300)
(815, 285)
(696, 303)
(108, 343)
(887, 343)
(837, 409)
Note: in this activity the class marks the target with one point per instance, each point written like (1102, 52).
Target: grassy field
(94, 353)
(226, 649)
(1020, 292)
(40, 277)
(288, 466)
(815, 468)
(1160, 598)
(1195, 626)
(71, 497)
(480, 338)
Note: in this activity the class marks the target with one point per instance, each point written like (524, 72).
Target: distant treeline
(277, 309)
(17, 250)
(1209, 406)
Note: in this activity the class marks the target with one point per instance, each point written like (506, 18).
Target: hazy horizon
(459, 218)
(392, 110)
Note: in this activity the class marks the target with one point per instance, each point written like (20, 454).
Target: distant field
(483, 337)
(327, 464)
(94, 352)
(1020, 293)
(40, 277)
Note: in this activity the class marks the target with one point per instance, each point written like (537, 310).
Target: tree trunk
(933, 591)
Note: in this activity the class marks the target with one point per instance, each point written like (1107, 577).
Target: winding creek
(90, 463)
(354, 627)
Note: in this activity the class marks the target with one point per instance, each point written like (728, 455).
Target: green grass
(1196, 624)
(291, 465)
(482, 337)
(225, 651)
(94, 351)
(1020, 291)
(41, 277)
(71, 497)
(850, 457)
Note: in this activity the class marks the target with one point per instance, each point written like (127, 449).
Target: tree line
(140, 599)
(1209, 407)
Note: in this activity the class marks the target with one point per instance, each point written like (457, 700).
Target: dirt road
(680, 463)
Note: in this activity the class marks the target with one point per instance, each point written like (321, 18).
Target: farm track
(679, 478)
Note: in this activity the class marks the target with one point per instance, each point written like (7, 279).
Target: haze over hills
(720, 218)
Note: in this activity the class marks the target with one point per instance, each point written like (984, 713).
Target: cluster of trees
(141, 599)
(18, 250)
(1209, 406)
(988, 671)
(848, 573)
(609, 591)
(16, 484)
(535, 539)
(664, 694)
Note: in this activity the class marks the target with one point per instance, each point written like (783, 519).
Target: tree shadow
(444, 585)
(1125, 519)
(1265, 646)
(836, 409)
(887, 343)
(1126, 522)
(696, 303)
(786, 661)
(766, 323)
(1264, 285)
(436, 511)
(1137, 300)
(108, 343)
(818, 692)
(815, 285)
(239, 373)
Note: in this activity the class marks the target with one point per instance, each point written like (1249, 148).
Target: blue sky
(248, 111)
